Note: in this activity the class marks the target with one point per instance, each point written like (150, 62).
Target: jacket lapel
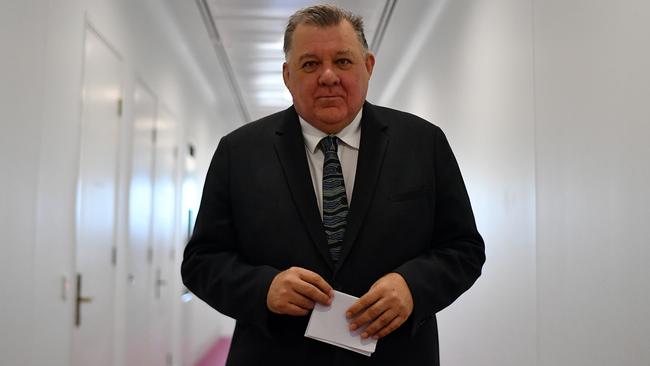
(290, 148)
(372, 148)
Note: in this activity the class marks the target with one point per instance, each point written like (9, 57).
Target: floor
(216, 356)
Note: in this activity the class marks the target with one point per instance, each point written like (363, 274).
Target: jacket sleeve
(453, 263)
(212, 267)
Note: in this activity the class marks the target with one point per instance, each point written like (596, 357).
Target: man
(333, 193)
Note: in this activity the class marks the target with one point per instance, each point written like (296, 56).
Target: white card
(328, 324)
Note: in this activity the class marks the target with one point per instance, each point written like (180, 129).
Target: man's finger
(379, 323)
(316, 280)
(299, 288)
(312, 292)
(369, 314)
(364, 302)
(295, 310)
(301, 301)
(394, 324)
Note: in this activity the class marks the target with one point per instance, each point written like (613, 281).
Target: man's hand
(383, 308)
(296, 290)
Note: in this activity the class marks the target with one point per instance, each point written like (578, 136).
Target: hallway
(112, 109)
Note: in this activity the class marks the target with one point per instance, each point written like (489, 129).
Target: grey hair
(323, 16)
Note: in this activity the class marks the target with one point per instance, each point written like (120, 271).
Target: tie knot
(329, 143)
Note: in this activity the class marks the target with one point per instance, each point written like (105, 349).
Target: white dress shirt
(348, 152)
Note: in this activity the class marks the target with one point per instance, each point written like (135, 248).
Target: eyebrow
(306, 55)
(343, 52)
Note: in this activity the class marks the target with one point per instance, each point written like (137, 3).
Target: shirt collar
(350, 135)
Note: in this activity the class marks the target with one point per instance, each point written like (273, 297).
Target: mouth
(329, 97)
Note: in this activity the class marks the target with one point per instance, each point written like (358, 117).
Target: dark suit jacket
(409, 214)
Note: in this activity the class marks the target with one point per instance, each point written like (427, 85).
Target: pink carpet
(217, 354)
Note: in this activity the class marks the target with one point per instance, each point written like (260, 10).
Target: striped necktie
(335, 201)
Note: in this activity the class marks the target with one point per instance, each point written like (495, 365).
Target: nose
(328, 77)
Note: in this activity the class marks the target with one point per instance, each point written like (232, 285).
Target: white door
(96, 205)
(139, 266)
(164, 234)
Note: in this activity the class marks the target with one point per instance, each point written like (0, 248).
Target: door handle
(159, 283)
(78, 301)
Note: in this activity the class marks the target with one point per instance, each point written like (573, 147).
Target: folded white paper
(328, 324)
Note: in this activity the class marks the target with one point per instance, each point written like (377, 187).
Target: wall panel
(593, 174)
(469, 69)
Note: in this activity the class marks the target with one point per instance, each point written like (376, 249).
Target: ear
(370, 63)
(285, 74)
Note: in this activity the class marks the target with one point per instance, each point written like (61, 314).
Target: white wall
(469, 70)
(41, 100)
(546, 105)
(544, 102)
(592, 86)
(21, 87)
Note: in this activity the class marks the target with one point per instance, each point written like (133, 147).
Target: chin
(331, 117)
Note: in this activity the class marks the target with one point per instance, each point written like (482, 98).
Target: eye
(309, 66)
(344, 62)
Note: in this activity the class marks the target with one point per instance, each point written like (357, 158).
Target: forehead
(308, 38)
